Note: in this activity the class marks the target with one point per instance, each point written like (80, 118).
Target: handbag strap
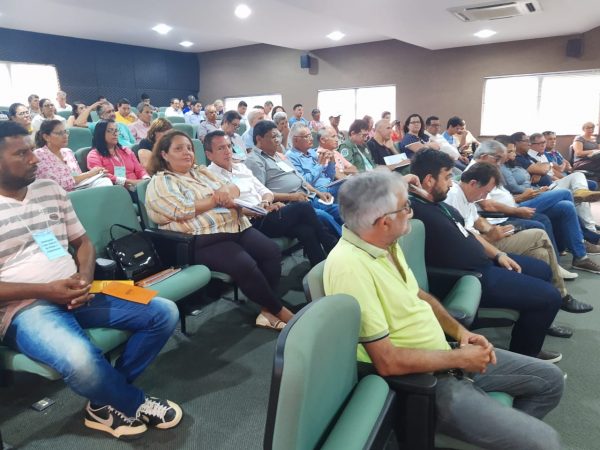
(132, 230)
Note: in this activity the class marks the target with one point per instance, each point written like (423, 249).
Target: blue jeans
(559, 207)
(53, 335)
(466, 412)
(332, 212)
(530, 292)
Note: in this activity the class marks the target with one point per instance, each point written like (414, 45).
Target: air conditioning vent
(495, 10)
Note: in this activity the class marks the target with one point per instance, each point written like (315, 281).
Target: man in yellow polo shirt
(403, 328)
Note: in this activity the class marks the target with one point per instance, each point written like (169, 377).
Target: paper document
(396, 159)
(249, 206)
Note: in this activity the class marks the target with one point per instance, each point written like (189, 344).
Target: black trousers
(298, 220)
(250, 258)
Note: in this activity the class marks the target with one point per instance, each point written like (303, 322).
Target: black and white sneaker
(549, 356)
(114, 422)
(159, 413)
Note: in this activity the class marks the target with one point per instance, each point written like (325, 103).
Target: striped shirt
(21, 260)
(171, 203)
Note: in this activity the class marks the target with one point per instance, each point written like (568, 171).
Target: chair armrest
(416, 383)
(440, 272)
(174, 248)
(492, 214)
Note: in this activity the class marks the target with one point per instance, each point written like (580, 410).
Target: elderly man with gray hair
(281, 120)
(254, 116)
(403, 328)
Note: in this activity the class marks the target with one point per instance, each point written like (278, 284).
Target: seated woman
(57, 162)
(120, 163)
(586, 152)
(48, 112)
(190, 199)
(78, 107)
(19, 113)
(415, 139)
(157, 128)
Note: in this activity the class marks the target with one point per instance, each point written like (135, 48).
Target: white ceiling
(302, 24)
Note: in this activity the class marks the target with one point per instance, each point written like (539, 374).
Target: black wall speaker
(575, 48)
(305, 61)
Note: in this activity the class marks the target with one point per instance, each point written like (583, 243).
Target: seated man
(230, 123)
(194, 116)
(475, 184)
(403, 328)
(174, 108)
(295, 220)
(124, 114)
(210, 124)
(328, 142)
(377, 145)
(279, 176)
(254, 116)
(515, 282)
(298, 112)
(105, 111)
(355, 149)
(45, 300)
(432, 129)
(316, 169)
(139, 128)
(456, 136)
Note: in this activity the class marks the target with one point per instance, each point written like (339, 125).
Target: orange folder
(130, 293)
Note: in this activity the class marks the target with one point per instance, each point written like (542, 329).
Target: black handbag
(134, 254)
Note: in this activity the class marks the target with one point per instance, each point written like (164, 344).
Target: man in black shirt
(515, 282)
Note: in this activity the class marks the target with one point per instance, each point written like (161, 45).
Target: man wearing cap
(334, 121)
(315, 125)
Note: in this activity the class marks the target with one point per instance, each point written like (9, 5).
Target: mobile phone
(43, 404)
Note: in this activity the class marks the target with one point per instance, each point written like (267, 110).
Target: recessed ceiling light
(484, 33)
(242, 11)
(336, 35)
(186, 43)
(161, 28)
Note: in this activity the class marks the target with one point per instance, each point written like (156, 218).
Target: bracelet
(498, 256)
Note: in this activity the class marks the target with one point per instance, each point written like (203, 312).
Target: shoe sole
(586, 270)
(591, 198)
(123, 433)
(553, 360)
(576, 311)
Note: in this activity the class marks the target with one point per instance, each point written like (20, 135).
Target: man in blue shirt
(194, 115)
(297, 117)
(106, 111)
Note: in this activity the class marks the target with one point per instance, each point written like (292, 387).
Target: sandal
(263, 322)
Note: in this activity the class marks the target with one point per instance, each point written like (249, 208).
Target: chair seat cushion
(183, 283)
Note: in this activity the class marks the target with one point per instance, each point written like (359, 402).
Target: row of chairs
(319, 347)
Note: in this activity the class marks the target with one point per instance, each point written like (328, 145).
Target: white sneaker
(565, 274)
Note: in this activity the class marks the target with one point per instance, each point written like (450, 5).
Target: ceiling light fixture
(161, 28)
(335, 35)
(484, 34)
(242, 11)
(186, 43)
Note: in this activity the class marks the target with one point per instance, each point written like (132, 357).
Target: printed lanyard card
(120, 172)
(285, 167)
(49, 245)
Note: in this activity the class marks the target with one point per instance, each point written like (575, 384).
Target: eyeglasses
(112, 130)
(304, 136)
(22, 114)
(48, 105)
(61, 133)
(407, 208)
(538, 143)
(415, 122)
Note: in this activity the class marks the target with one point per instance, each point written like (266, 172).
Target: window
(560, 102)
(355, 103)
(252, 100)
(19, 81)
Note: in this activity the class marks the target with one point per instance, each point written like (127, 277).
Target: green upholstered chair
(65, 114)
(186, 128)
(195, 131)
(175, 119)
(135, 148)
(81, 157)
(134, 110)
(199, 152)
(316, 400)
(162, 109)
(99, 208)
(79, 138)
(154, 116)
(95, 117)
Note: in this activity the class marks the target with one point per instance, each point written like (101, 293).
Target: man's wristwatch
(498, 256)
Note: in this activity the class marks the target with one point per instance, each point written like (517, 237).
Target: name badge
(49, 245)
(462, 229)
(120, 172)
(285, 166)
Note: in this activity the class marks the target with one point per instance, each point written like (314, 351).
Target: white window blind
(560, 102)
(20, 80)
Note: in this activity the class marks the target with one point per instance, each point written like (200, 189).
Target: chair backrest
(134, 110)
(413, 247)
(95, 117)
(312, 283)
(162, 109)
(241, 129)
(571, 155)
(64, 114)
(199, 152)
(141, 195)
(175, 119)
(135, 148)
(81, 157)
(101, 207)
(79, 138)
(314, 372)
(186, 128)
(154, 115)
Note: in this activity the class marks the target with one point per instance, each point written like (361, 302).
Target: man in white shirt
(295, 220)
(194, 116)
(432, 129)
(61, 102)
(174, 109)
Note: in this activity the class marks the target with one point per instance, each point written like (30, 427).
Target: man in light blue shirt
(254, 116)
(297, 117)
(194, 116)
(106, 111)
